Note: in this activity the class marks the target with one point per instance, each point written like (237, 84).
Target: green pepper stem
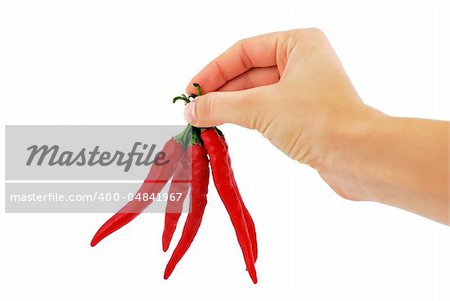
(184, 137)
(183, 98)
(199, 89)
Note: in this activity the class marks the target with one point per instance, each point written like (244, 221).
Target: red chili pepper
(226, 187)
(199, 189)
(248, 218)
(155, 181)
(179, 184)
(203, 143)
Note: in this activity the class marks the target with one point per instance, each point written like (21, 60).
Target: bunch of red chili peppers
(209, 148)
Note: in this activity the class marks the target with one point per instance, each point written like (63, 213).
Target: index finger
(259, 51)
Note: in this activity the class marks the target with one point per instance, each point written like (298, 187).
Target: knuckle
(200, 109)
(237, 44)
(256, 113)
(247, 81)
(315, 31)
(252, 121)
(205, 108)
(308, 33)
(210, 105)
(241, 42)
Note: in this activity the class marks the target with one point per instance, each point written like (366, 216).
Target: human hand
(291, 87)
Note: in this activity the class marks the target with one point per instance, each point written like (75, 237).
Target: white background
(120, 62)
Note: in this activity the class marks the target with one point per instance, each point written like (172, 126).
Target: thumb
(215, 108)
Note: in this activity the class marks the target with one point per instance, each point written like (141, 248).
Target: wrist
(349, 141)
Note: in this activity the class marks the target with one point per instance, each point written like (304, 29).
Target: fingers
(219, 107)
(259, 51)
(252, 78)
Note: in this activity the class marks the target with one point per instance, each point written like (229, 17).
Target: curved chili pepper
(248, 218)
(179, 184)
(223, 180)
(203, 142)
(155, 181)
(200, 180)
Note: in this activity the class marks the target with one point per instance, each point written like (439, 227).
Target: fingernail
(189, 112)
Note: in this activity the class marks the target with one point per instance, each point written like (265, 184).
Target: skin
(292, 88)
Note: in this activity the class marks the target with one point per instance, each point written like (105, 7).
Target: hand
(290, 86)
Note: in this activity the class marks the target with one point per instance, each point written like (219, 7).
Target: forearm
(402, 162)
